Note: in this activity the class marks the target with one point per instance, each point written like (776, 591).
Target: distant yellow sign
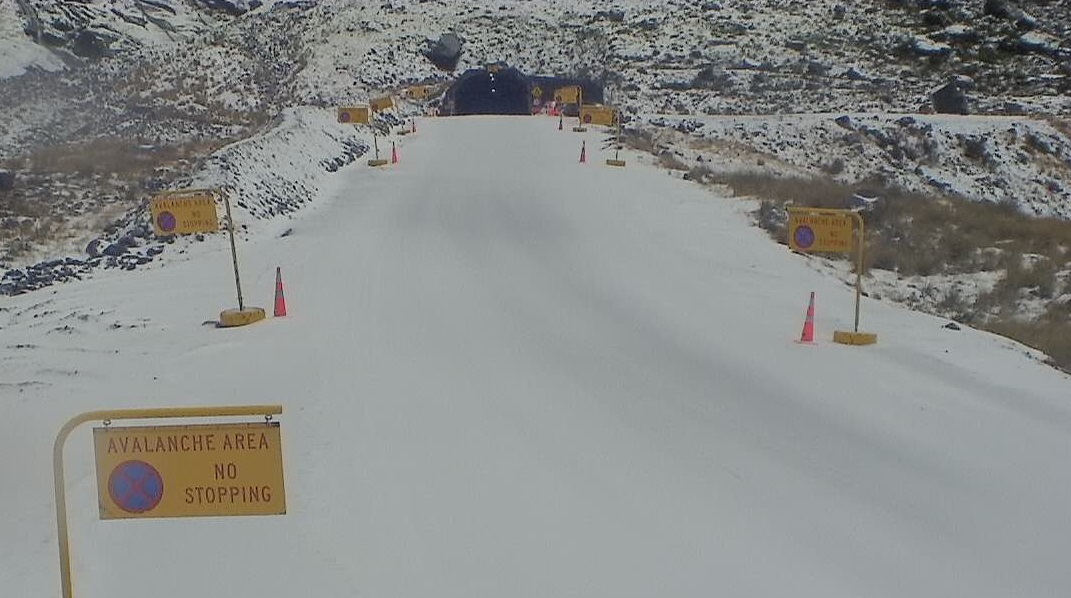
(353, 115)
(568, 95)
(381, 104)
(419, 92)
(820, 230)
(537, 92)
(597, 114)
(184, 212)
(189, 471)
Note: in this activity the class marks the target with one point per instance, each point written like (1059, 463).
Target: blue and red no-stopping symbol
(166, 221)
(804, 236)
(135, 486)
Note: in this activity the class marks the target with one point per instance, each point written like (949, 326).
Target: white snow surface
(505, 373)
(920, 152)
(18, 52)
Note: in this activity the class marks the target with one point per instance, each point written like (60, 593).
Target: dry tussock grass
(1062, 125)
(117, 157)
(916, 234)
(90, 181)
(1051, 334)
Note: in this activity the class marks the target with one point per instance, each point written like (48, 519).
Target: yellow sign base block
(230, 318)
(382, 162)
(580, 129)
(854, 338)
(612, 162)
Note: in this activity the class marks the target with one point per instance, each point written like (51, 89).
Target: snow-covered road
(505, 373)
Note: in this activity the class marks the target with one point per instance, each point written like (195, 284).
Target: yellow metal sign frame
(820, 230)
(194, 470)
(381, 103)
(184, 212)
(353, 115)
(597, 114)
(418, 92)
(112, 415)
(827, 234)
(569, 94)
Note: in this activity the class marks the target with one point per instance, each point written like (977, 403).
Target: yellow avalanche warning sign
(352, 115)
(381, 104)
(184, 212)
(597, 114)
(820, 230)
(189, 471)
(568, 95)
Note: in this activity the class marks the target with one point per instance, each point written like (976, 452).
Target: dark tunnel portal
(486, 92)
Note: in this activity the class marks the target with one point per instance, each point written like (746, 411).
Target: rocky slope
(151, 94)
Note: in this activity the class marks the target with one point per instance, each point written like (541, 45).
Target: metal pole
(234, 251)
(65, 431)
(858, 269)
(580, 105)
(617, 150)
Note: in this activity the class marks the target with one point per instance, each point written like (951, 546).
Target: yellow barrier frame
(855, 337)
(108, 415)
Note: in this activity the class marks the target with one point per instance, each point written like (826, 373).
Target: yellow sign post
(572, 94)
(189, 471)
(419, 92)
(568, 95)
(381, 104)
(597, 114)
(820, 230)
(616, 160)
(184, 212)
(106, 416)
(191, 211)
(353, 115)
(377, 161)
(830, 230)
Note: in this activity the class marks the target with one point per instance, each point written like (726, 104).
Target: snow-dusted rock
(446, 52)
(951, 98)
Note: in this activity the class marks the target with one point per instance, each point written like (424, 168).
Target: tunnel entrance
(492, 91)
(500, 89)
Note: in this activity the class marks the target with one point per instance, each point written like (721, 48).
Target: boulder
(445, 53)
(613, 15)
(856, 74)
(710, 77)
(93, 44)
(114, 250)
(997, 8)
(845, 122)
(951, 98)
(93, 249)
(7, 180)
(235, 8)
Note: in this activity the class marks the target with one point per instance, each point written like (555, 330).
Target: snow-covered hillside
(496, 382)
(140, 96)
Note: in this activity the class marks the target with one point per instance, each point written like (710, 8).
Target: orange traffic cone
(583, 152)
(393, 153)
(808, 325)
(280, 301)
